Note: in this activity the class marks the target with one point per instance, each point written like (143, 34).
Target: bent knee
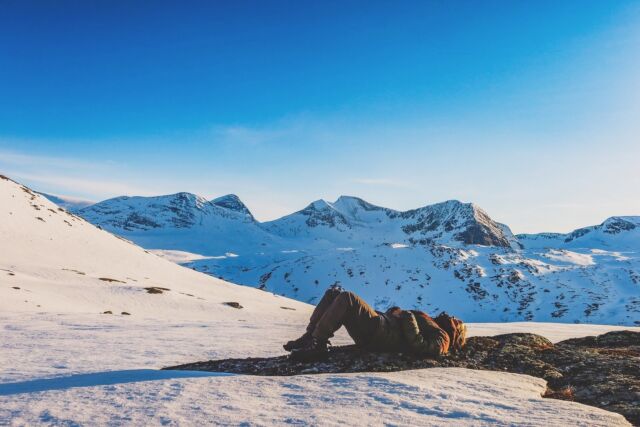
(347, 295)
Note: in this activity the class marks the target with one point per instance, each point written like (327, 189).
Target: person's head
(455, 328)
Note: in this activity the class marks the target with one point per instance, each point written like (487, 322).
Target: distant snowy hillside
(448, 256)
(353, 219)
(180, 221)
(618, 232)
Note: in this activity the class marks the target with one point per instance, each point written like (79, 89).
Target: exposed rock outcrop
(602, 371)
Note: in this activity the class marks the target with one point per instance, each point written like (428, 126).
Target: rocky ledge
(602, 371)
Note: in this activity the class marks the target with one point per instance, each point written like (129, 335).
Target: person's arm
(414, 338)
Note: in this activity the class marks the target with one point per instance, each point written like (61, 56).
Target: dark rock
(233, 304)
(107, 279)
(156, 290)
(602, 371)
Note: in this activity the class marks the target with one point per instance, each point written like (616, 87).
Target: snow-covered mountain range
(448, 256)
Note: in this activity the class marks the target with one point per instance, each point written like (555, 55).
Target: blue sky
(529, 109)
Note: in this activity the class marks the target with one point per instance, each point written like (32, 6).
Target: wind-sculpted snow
(449, 256)
(69, 203)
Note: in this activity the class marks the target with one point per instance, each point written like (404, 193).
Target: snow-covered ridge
(180, 210)
(450, 222)
(615, 232)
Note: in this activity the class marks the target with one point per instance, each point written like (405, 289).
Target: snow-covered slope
(64, 362)
(448, 256)
(53, 260)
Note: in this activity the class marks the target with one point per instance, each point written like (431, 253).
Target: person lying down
(395, 330)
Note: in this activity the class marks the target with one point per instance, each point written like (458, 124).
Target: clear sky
(529, 109)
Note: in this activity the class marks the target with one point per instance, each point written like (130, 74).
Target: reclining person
(396, 330)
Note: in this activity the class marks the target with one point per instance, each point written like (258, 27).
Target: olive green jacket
(414, 331)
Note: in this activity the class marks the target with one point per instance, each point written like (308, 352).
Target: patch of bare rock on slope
(602, 371)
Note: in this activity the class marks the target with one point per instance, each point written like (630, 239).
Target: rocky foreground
(602, 371)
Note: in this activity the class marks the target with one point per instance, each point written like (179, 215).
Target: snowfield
(64, 362)
(87, 369)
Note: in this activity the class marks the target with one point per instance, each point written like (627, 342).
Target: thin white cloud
(247, 135)
(79, 185)
(21, 159)
(74, 177)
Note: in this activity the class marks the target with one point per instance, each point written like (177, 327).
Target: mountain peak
(354, 203)
(349, 199)
(319, 205)
(179, 210)
(616, 224)
(464, 222)
(232, 202)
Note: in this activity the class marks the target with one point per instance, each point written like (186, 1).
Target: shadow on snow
(99, 379)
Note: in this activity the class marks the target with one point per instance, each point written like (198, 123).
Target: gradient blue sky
(529, 109)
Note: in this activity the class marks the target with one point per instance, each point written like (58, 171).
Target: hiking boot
(313, 351)
(301, 342)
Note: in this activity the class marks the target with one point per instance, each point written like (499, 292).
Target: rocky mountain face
(448, 256)
(233, 203)
(462, 222)
(445, 222)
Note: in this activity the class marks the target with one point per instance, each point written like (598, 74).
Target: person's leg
(348, 309)
(326, 301)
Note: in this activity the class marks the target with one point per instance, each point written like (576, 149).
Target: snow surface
(433, 397)
(62, 362)
(99, 369)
